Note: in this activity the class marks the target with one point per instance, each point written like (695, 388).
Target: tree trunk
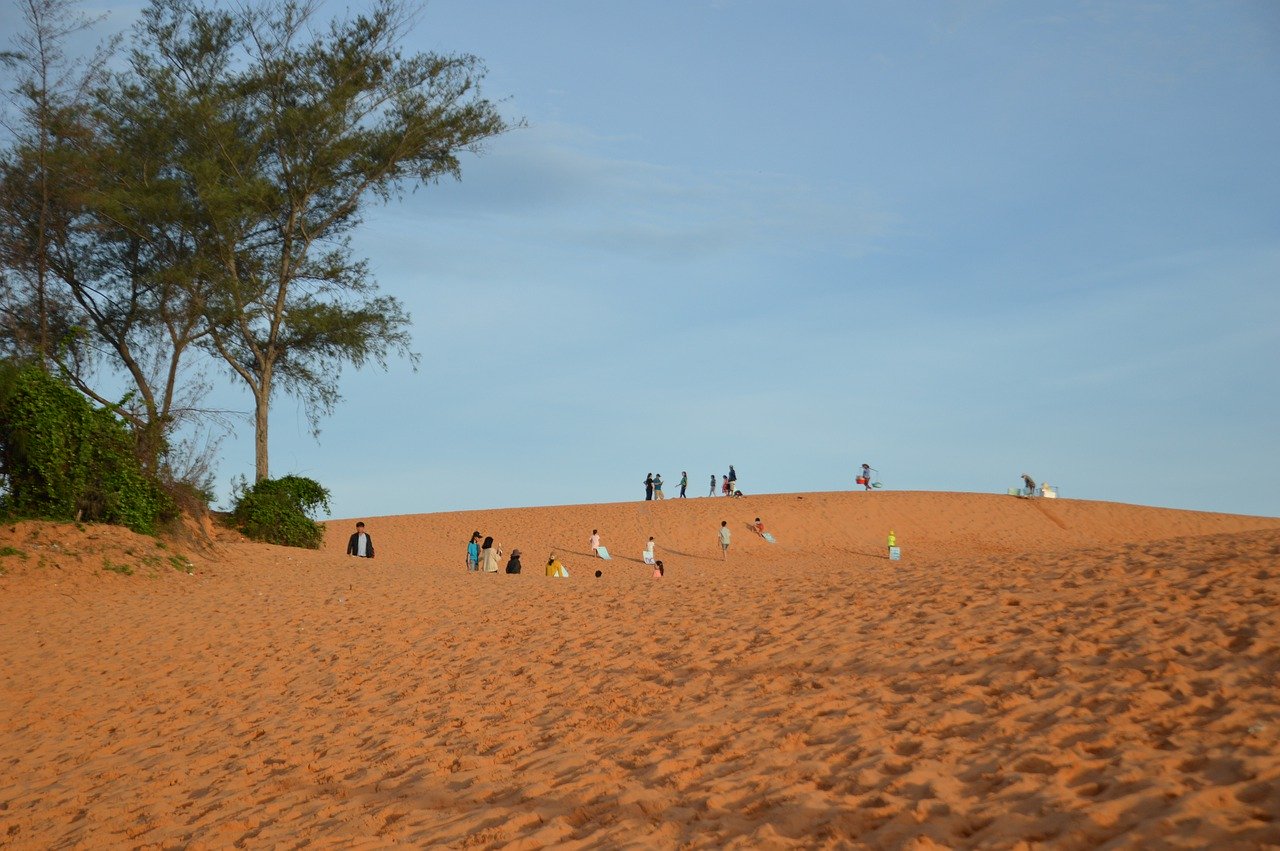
(261, 408)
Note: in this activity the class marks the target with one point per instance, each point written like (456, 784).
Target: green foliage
(12, 551)
(278, 511)
(122, 569)
(64, 459)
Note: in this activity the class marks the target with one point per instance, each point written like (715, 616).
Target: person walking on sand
(866, 476)
(648, 551)
(360, 544)
(684, 483)
(648, 486)
(713, 485)
(595, 541)
(724, 539)
(657, 486)
(724, 486)
(490, 556)
(473, 553)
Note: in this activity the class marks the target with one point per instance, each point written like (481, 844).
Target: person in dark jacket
(513, 563)
(360, 544)
(648, 486)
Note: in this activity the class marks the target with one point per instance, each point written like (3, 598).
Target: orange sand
(1059, 673)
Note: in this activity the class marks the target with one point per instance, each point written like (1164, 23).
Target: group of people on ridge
(728, 485)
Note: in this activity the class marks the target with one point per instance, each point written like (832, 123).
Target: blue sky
(958, 241)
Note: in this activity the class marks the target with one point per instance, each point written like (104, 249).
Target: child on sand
(713, 485)
(759, 527)
(658, 571)
(595, 541)
(724, 538)
(556, 568)
(648, 551)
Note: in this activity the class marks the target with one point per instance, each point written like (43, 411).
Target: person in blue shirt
(473, 552)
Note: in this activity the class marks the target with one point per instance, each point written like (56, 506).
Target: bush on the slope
(277, 511)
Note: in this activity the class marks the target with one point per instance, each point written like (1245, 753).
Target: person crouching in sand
(513, 564)
(555, 567)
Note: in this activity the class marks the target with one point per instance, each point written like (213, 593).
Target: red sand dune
(1059, 673)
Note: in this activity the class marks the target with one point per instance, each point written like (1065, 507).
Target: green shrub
(64, 459)
(277, 511)
(122, 569)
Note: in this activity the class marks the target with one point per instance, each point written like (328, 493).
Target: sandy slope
(1063, 673)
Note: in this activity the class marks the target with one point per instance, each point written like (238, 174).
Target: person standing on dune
(360, 544)
(713, 485)
(684, 482)
(648, 486)
(473, 553)
(490, 556)
(724, 539)
(657, 486)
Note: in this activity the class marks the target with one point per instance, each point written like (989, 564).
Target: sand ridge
(1062, 673)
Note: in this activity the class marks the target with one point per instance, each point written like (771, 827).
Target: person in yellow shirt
(555, 567)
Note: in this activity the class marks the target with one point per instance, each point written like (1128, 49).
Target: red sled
(862, 480)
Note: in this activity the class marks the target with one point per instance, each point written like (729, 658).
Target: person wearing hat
(513, 563)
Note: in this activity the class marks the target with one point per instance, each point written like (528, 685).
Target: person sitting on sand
(555, 568)
(759, 527)
(490, 556)
(658, 570)
(513, 564)
(360, 544)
